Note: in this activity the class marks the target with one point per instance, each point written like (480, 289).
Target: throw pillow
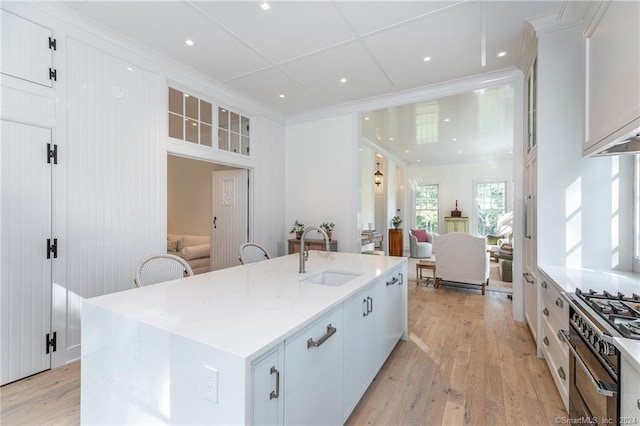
(421, 235)
(172, 245)
(195, 252)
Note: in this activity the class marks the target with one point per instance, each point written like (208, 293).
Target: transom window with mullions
(191, 119)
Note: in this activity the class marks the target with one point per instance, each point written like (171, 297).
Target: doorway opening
(207, 212)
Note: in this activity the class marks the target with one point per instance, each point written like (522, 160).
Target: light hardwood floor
(466, 362)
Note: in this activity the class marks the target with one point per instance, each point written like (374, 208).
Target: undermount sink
(331, 278)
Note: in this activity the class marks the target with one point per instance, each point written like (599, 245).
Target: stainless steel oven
(593, 369)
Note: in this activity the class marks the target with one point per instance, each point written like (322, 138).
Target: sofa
(462, 258)
(195, 249)
(420, 244)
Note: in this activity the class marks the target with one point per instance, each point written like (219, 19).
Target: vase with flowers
(396, 222)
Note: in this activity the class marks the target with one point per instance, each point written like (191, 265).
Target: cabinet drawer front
(555, 307)
(556, 355)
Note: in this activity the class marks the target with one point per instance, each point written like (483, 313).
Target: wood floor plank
(465, 362)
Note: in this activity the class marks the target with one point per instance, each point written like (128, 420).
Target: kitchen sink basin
(331, 278)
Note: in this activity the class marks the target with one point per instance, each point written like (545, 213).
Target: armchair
(420, 244)
(462, 258)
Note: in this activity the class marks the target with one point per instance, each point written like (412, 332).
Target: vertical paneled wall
(112, 167)
(268, 198)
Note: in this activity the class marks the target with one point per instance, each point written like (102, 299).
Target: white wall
(457, 182)
(584, 204)
(322, 182)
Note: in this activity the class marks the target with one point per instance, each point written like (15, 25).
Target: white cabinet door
(314, 373)
(361, 343)
(613, 85)
(25, 49)
(25, 278)
(267, 399)
(530, 289)
(390, 315)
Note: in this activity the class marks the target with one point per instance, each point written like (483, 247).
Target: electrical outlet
(211, 384)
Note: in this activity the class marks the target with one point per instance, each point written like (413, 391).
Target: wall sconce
(377, 175)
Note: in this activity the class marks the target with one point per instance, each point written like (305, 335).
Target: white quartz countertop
(244, 310)
(569, 279)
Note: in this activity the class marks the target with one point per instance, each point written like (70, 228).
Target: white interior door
(230, 210)
(25, 272)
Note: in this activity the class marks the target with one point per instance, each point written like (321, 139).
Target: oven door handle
(606, 389)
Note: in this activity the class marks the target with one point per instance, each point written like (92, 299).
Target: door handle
(526, 278)
(215, 219)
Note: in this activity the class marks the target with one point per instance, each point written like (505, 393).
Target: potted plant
(297, 229)
(328, 227)
(396, 221)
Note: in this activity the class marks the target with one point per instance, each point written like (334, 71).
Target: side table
(429, 263)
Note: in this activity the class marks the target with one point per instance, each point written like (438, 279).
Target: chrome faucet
(304, 252)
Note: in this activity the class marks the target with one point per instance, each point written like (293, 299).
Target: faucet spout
(304, 253)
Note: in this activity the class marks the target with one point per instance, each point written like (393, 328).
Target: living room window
(426, 202)
(491, 199)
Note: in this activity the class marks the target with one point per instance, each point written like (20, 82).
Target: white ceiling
(302, 49)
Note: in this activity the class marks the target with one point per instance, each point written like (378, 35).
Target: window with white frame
(491, 200)
(426, 202)
(191, 119)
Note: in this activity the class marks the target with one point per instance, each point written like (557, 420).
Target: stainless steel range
(594, 319)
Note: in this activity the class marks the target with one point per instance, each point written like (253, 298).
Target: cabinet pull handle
(365, 307)
(401, 278)
(544, 284)
(331, 330)
(559, 302)
(275, 393)
(392, 282)
(561, 373)
(545, 341)
(639, 403)
(545, 311)
(526, 278)
(369, 305)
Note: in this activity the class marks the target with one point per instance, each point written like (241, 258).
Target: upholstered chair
(420, 244)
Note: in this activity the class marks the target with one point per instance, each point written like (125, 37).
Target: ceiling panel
(285, 31)
(348, 61)
(165, 26)
(266, 86)
(370, 16)
(454, 49)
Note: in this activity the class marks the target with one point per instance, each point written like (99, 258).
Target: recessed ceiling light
(446, 120)
(366, 118)
(454, 139)
(129, 69)
(265, 6)
(460, 152)
(281, 95)
(406, 151)
(418, 161)
(427, 58)
(501, 54)
(343, 80)
(189, 42)
(390, 139)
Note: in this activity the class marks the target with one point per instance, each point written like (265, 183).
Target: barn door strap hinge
(52, 154)
(52, 248)
(53, 74)
(51, 342)
(52, 43)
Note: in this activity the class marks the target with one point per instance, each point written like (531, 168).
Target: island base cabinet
(373, 324)
(313, 373)
(267, 400)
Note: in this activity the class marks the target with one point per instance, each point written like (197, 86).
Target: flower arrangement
(396, 221)
(297, 228)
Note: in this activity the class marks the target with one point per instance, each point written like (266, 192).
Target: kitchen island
(248, 344)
